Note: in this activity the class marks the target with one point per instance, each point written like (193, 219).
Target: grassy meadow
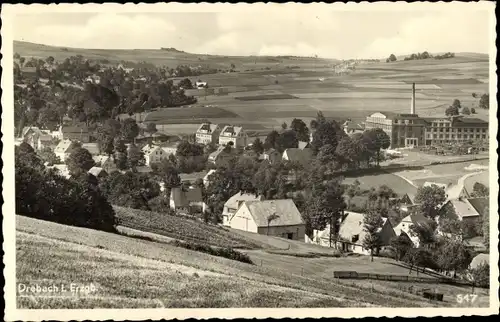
(127, 276)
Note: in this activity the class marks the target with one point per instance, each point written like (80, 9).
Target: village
(156, 153)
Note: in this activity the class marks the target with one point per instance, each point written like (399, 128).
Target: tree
(480, 190)
(79, 161)
(169, 175)
(451, 111)
(466, 111)
(346, 151)
(474, 95)
(453, 256)
(486, 227)
(456, 104)
(484, 101)
(301, 129)
(49, 157)
(391, 58)
(257, 146)
(419, 257)
(372, 222)
(325, 206)
(426, 233)
(187, 149)
(430, 199)
(286, 140)
(376, 140)
(473, 110)
(271, 140)
(186, 83)
(271, 218)
(151, 128)
(50, 60)
(284, 126)
(401, 245)
(481, 275)
(129, 130)
(135, 157)
(326, 133)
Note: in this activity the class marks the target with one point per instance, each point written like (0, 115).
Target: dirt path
(454, 191)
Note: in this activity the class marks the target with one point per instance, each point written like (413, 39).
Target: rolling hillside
(267, 91)
(134, 273)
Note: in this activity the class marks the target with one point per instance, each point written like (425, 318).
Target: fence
(395, 278)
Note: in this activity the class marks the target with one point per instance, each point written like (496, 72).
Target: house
(404, 226)
(77, 133)
(234, 134)
(44, 140)
(208, 133)
(104, 162)
(98, 172)
(93, 148)
(471, 209)
(352, 234)
(271, 155)
(61, 169)
(206, 178)
(36, 138)
(187, 200)
(200, 84)
(63, 149)
(153, 154)
(221, 156)
(480, 259)
(279, 218)
(302, 156)
(233, 204)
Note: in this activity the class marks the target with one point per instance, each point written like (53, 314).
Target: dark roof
(182, 198)
(480, 204)
(470, 120)
(75, 129)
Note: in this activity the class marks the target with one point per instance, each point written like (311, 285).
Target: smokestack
(413, 99)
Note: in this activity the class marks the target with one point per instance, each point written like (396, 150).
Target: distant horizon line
(249, 55)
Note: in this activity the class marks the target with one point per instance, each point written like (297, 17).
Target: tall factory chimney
(413, 99)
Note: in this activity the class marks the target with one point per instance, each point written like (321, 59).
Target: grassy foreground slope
(130, 272)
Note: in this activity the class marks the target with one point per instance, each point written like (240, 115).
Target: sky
(308, 31)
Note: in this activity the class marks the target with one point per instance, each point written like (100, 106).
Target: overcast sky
(308, 31)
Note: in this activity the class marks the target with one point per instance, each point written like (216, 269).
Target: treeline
(43, 194)
(421, 56)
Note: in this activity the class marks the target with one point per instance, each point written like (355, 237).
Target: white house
(410, 220)
(279, 218)
(63, 149)
(352, 233)
(208, 133)
(233, 204)
(234, 134)
(187, 200)
(153, 154)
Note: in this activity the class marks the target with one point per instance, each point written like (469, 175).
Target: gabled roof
(148, 149)
(182, 198)
(480, 259)
(232, 203)
(285, 209)
(233, 130)
(96, 171)
(352, 224)
(93, 148)
(101, 159)
(463, 208)
(27, 129)
(214, 155)
(303, 145)
(64, 146)
(302, 156)
(479, 204)
(208, 127)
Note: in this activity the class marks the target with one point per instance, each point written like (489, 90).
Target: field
(266, 91)
(127, 276)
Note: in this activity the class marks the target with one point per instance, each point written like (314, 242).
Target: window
(484, 136)
(447, 130)
(440, 136)
(459, 136)
(484, 130)
(459, 130)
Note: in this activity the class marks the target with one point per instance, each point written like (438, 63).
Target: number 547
(466, 298)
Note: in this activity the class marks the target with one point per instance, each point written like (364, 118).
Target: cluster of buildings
(412, 130)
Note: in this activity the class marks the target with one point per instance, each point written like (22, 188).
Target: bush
(481, 275)
(221, 252)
